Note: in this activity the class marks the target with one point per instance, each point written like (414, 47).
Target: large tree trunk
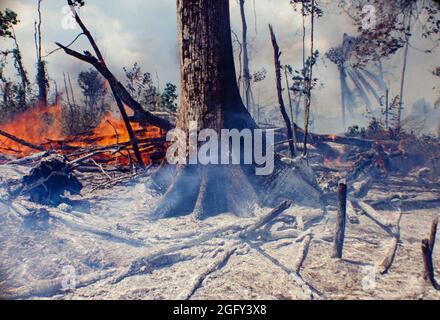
(209, 92)
(209, 95)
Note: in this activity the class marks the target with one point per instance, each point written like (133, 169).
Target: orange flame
(42, 126)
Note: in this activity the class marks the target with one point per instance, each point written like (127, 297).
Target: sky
(146, 32)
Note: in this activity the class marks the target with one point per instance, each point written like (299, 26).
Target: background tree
(8, 19)
(308, 8)
(390, 28)
(141, 87)
(168, 98)
(93, 87)
(364, 81)
(42, 80)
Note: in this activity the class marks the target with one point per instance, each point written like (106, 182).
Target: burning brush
(40, 129)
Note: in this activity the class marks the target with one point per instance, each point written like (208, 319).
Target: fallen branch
(215, 266)
(101, 169)
(267, 218)
(120, 90)
(372, 214)
(21, 141)
(386, 263)
(138, 265)
(51, 287)
(302, 254)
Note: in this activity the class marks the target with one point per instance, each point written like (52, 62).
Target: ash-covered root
(49, 180)
(214, 189)
(218, 264)
(208, 190)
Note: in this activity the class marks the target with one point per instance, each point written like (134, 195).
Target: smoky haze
(146, 32)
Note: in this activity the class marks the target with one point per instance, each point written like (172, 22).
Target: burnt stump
(49, 180)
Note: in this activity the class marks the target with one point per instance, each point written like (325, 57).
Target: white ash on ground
(101, 245)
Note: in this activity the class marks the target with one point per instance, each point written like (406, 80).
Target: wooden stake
(433, 233)
(341, 220)
(427, 249)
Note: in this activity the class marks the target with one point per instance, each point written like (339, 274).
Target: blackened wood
(276, 56)
(428, 264)
(129, 129)
(341, 220)
(433, 233)
(427, 250)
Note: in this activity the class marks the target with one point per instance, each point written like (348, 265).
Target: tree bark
(209, 92)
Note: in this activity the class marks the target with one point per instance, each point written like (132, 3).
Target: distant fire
(337, 162)
(42, 126)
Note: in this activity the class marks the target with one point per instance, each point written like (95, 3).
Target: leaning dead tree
(140, 113)
(119, 92)
(246, 73)
(276, 56)
(309, 83)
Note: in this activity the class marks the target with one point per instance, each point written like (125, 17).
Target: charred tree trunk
(427, 250)
(42, 82)
(246, 72)
(310, 80)
(277, 54)
(338, 244)
(209, 92)
(210, 96)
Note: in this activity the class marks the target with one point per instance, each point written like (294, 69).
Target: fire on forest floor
(42, 126)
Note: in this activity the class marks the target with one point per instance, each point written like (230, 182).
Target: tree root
(213, 267)
(208, 190)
